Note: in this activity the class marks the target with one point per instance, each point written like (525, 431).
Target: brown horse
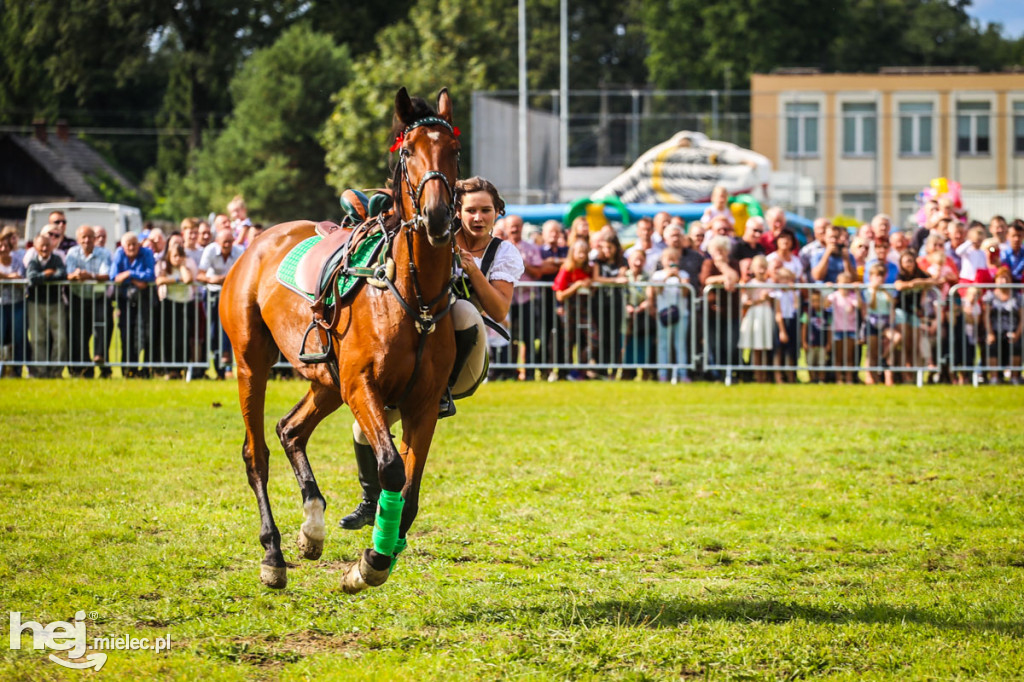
(394, 348)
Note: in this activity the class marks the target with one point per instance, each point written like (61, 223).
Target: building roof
(70, 162)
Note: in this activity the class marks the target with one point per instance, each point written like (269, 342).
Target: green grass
(570, 531)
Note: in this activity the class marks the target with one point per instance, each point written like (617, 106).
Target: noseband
(416, 195)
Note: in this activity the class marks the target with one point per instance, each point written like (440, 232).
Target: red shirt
(565, 278)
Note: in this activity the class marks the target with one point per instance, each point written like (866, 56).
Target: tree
(269, 150)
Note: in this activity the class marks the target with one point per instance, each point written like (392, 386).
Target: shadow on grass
(670, 613)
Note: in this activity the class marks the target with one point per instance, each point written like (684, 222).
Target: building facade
(871, 142)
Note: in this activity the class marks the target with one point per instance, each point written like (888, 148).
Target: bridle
(424, 320)
(417, 221)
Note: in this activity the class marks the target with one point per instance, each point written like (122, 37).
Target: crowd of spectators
(841, 296)
(774, 300)
(159, 290)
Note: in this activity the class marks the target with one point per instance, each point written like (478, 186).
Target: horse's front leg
(374, 566)
(417, 434)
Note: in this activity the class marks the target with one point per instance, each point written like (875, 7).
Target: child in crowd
(972, 258)
(845, 303)
(572, 289)
(673, 314)
(719, 207)
(786, 341)
(877, 309)
(817, 341)
(966, 330)
(640, 306)
(1005, 322)
(760, 309)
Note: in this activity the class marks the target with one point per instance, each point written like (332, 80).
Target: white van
(116, 218)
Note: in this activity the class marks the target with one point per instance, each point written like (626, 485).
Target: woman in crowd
(12, 304)
(640, 308)
(723, 302)
(1004, 323)
(785, 256)
(673, 306)
(609, 268)
(572, 290)
(911, 283)
(175, 275)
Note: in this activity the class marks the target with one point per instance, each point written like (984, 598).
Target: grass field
(571, 531)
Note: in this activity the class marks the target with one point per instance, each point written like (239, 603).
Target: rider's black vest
(485, 267)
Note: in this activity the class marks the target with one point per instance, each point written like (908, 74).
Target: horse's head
(428, 163)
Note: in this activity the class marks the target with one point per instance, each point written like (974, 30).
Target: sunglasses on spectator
(59, 222)
(757, 232)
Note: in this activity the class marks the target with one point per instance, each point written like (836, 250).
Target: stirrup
(315, 358)
(447, 406)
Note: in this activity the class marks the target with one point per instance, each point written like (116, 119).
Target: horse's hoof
(310, 548)
(275, 577)
(360, 574)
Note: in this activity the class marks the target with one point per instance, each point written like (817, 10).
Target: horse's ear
(403, 106)
(444, 105)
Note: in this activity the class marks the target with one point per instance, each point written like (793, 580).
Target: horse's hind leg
(294, 430)
(255, 359)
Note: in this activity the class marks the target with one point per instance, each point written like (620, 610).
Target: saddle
(327, 267)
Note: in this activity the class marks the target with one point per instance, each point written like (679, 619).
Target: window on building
(801, 129)
(860, 127)
(915, 128)
(907, 210)
(861, 206)
(972, 128)
(1018, 127)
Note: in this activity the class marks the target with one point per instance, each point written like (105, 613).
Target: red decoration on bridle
(400, 138)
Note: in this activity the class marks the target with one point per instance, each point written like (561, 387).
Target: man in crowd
(46, 315)
(660, 222)
(719, 227)
(811, 251)
(523, 313)
(956, 235)
(834, 259)
(1012, 255)
(998, 228)
(645, 243)
(101, 237)
(774, 224)
(133, 270)
(552, 255)
(88, 264)
(217, 259)
(751, 244)
(205, 235)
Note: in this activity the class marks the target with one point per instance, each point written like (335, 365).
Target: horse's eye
(406, 152)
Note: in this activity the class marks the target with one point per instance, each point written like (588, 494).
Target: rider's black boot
(369, 479)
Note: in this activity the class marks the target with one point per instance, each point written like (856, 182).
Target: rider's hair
(478, 184)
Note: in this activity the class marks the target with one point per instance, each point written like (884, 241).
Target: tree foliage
(712, 45)
(268, 149)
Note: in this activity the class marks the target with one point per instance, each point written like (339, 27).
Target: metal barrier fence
(838, 329)
(985, 322)
(660, 330)
(600, 329)
(87, 325)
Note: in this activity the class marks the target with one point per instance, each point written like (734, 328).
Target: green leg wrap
(399, 546)
(389, 516)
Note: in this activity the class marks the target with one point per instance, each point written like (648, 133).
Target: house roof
(70, 162)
